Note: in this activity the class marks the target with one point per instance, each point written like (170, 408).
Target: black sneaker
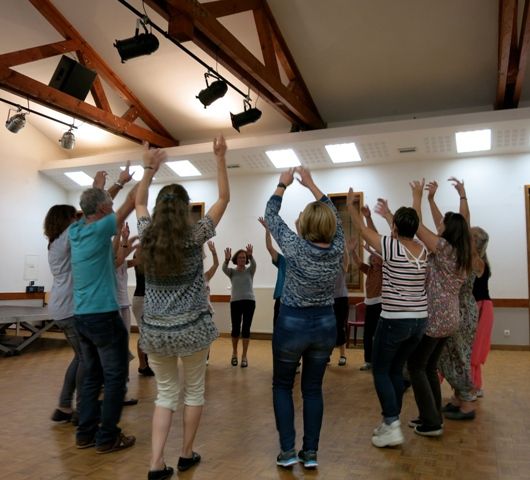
(414, 423)
(287, 459)
(449, 407)
(308, 458)
(428, 431)
(61, 417)
(186, 463)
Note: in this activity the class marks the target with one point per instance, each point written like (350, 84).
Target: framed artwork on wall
(354, 275)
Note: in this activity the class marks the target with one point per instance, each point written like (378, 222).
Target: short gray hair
(91, 199)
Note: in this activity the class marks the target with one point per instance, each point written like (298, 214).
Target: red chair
(358, 321)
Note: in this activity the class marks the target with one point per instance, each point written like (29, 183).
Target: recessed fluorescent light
(136, 171)
(473, 141)
(184, 168)
(283, 158)
(81, 178)
(343, 153)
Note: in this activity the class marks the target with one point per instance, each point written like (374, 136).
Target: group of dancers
(419, 302)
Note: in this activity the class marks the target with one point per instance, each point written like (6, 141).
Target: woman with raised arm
(449, 264)
(306, 326)
(177, 322)
(455, 360)
(403, 315)
(242, 299)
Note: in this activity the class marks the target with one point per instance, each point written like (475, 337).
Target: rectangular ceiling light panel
(283, 158)
(184, 168)
(473, 141)
(81, 178)
(343, 153)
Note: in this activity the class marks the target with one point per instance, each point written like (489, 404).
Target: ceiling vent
(235, 165)
(406, 149)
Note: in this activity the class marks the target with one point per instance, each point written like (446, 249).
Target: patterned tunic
(177, 320)
(455, 361)
(443, 284)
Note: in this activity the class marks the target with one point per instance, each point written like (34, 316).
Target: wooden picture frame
(196, 211)
(354, 280)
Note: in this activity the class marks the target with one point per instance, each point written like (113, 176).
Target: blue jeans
(310, 334)
(73, 378)
(105, 348)
(395, 339)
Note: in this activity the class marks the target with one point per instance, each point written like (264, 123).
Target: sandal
(244, 363)
(234, 361)
(163, 474)
(342, 361)
(186, 463)
(120, 443)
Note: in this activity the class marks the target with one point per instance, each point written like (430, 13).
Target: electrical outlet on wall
(507, 333)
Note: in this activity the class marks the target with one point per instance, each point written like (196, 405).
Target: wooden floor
(237, 438)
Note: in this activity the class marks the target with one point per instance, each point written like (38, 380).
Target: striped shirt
(403, 289)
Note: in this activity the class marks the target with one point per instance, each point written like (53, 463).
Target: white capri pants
(167, 379)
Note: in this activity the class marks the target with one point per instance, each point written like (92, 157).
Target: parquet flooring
(237, 438)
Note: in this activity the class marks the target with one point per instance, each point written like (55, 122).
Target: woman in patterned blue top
(306, 326)
(177, 322)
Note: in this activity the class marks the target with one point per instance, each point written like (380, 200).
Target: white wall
(495, 189)
(26, 197)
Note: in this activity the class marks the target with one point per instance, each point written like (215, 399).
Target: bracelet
(119, 184)
(148, 167)
(463, 198)
(282, 185)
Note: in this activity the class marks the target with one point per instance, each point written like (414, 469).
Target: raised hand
(99, 179)
(287, 177)
(417, 187)
(350, 198)
(263, 222)
(431, 188)
(382, 208)
(153, 158)
(249, 250)
(305, 176)
(125, 232)
(228, 254)
(459, 186)
(125, 175)
(365, 210)
(211, 246)
(219, 146)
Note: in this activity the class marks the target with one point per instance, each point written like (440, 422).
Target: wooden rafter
(513, 54)
(198, 22)
(101, 115)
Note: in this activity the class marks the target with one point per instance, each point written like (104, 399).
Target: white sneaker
(388, 435)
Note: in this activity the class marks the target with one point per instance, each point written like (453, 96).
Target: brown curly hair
(164, 241)
(57, 220)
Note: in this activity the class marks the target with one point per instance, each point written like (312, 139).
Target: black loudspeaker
(72, 78)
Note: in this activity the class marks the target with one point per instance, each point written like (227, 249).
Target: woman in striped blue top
(403, 315)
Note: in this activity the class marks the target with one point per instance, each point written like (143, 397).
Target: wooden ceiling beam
(223, 8)
(22, 85)
(513, 54)
(33, 54)
(97, 91)
(209, 34)
(95, 62)
(266, 42)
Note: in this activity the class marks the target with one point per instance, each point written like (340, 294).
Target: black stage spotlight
(213, 91)
(249, 115)
(16, 122)
(67, 141)
(141, 44)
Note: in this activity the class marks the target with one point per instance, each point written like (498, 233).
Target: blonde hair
(164, 241)
(318, 223)
(481, 239)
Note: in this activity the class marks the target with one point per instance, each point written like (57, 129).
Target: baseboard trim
(517, 348)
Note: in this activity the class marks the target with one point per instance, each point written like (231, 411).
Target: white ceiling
(385, 74)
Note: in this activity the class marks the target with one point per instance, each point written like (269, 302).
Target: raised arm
(217, 210)
(371, 237)
(228, 255)
(464, 206)
(152, 160)
(307, 181)
(429, 238)
(368, 216)
(437, 216)
(249, 250)
(268, 240)
(382, 208)
(211, 271)
(124, 177)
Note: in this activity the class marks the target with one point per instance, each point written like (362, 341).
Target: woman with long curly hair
(177, 322)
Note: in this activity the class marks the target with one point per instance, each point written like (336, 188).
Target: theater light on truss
(473, 141)
(81, 178)
(136, 171)
(140, 44)
(283, 158)
(67, 141)
(248, 115)
(184, 168)
(16, 122)
(213, 91)
(343, 153)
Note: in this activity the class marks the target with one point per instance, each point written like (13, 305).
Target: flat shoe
(234, 361)
(449, 407)
(244, 363)
(120, 443)
(459, 415)
(342, 361)
(130, 401)
(160, 474)
(186, 463)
